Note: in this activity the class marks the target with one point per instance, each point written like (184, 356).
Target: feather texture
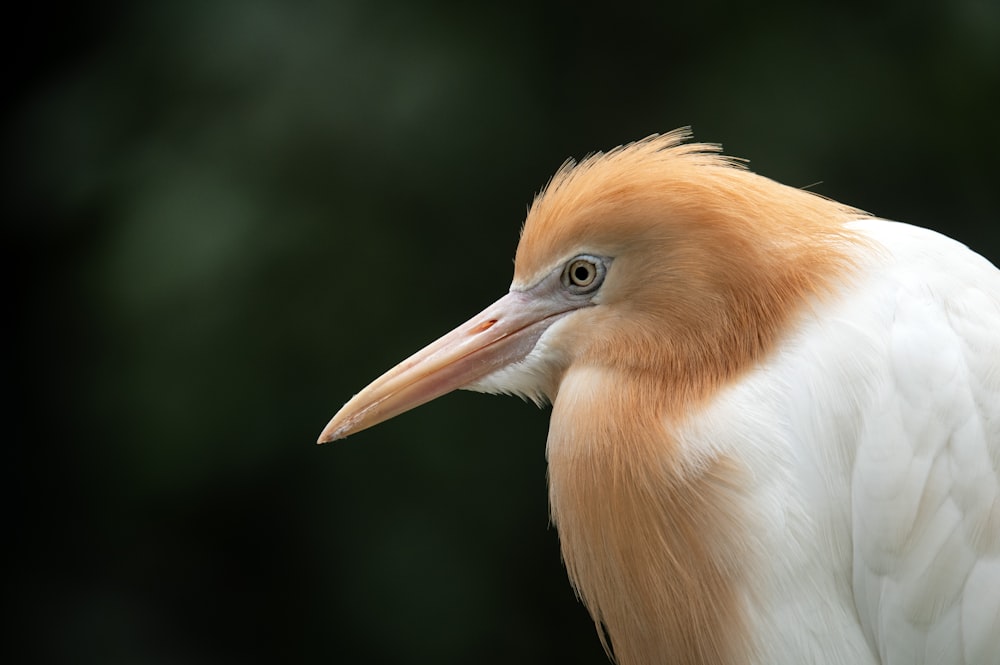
(778, 442)
(775, 432)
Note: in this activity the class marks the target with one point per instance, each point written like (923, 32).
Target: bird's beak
(502, 334)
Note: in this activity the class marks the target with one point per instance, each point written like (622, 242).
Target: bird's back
(874, 436)
(925, 487)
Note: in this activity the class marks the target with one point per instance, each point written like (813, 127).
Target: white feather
(873, 438)
(527, 378)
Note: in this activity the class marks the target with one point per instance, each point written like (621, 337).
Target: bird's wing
(925, 487)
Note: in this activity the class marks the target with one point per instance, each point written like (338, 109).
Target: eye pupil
(581, 273)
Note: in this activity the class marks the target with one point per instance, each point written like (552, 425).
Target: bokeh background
(225, 217)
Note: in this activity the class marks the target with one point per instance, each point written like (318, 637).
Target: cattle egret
(775, 432)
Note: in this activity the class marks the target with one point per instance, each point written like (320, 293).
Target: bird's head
(659, 259)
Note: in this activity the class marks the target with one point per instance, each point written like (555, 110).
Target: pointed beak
(501, 335)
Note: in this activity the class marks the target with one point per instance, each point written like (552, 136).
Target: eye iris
(582, 273)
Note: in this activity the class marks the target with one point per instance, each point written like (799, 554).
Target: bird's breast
(653, 542)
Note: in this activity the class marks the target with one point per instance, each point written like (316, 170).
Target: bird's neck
(651, 541)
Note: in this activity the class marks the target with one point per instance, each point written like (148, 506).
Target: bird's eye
(583, 274)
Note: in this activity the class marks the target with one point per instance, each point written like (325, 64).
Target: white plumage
(873, 437)
(775, 435)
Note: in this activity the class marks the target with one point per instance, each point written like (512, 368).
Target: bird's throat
(651, 541)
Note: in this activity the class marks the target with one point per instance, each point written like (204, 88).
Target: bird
(775, 418)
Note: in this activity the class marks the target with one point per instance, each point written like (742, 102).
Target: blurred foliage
(226, 217)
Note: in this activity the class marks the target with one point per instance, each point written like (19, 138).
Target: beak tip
(328, 435)
(337, 429)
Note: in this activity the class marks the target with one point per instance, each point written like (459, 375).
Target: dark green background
(226, 217)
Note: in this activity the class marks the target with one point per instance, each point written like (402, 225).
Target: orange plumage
(732, 366)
